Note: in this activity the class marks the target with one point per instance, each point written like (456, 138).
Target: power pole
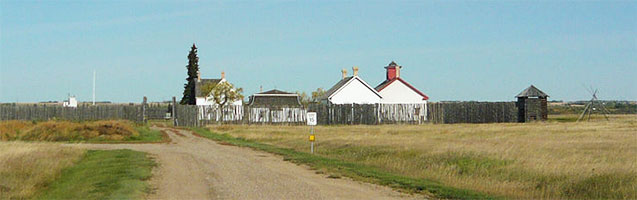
(93, 87)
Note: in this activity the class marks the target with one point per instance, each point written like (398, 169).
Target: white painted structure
(352, 90)
(396, 90)
(357, 91)
(71, 102)
(207, 100)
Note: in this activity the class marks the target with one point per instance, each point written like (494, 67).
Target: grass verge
(543, 160)
(114, 174)
(352, 170)
(106, 131)
(146, 135)
(26, 168)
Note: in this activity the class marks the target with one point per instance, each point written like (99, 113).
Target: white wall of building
(202, 101)
(355, 92)
(399, 93)
(210, 101)
(71, 102)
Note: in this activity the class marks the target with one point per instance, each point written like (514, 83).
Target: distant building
(206, 99)
(532, 105)
(351, 90)
(396, 90)
(70, 102)
(275, 98)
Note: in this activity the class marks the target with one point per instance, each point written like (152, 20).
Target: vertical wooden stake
(144, 105)
(174, 118)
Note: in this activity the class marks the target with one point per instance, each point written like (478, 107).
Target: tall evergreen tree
(193, 68)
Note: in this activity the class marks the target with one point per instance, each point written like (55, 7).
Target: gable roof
(275, 92)
(392, 64)
(275, 98)
(344, 82)
(386, 83)
(199, 84)
(336, 86)
(274, 101)
(532, 91)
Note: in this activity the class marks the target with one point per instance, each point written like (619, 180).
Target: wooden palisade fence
(472, 112)
(191, 115)
(80, 113)
(138, 113)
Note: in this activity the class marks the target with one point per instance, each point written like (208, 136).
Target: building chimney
(223, 75)
(198, 76)
(261, 88)
(344, 73)
(355, 69)
(398, 71)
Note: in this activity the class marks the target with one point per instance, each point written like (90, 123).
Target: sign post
(311, 121)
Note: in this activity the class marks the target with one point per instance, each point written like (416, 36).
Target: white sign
(311, 119)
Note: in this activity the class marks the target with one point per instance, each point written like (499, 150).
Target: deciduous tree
(222, 93)
(318, 94)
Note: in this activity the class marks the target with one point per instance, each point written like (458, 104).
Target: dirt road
(191, 167)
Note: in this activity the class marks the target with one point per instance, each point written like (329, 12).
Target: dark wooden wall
(191, 115)
(371, 114)
(532, 109)
(472, 112)
(81, 113)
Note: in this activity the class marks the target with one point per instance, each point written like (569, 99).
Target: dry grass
(113, 130)
(595, 159)
(26, 168)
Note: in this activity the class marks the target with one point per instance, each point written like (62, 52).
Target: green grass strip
(147, 135)
(113, 174)
(352, 170)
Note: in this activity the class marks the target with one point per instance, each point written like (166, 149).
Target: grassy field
(37, 169)
(26, 168)
(596, 159)
(95, 131)
(337, 168)
(51, 171)
(115, 174)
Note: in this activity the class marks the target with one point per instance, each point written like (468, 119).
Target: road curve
(191, 167)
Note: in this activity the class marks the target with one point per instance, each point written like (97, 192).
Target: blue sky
(458, 50)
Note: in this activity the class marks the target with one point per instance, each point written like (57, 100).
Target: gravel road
(191, 167)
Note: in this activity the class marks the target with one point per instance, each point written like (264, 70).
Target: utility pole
(93, 87)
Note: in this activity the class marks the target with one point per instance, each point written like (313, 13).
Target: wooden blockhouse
(532, 105)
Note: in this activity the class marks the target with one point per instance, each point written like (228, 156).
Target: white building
(396, 90)
(71, 102)
(206, 99)
(351, 90)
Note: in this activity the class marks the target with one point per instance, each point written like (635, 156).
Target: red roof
(389, 82)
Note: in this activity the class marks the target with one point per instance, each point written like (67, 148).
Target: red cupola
(393, 70)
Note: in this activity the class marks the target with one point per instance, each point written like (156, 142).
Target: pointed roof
(386, 83)
(392, 64)
(344, 82)
(275, 91)
(532, 91)
(275, 98)
(336, 86)
(200, 84)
